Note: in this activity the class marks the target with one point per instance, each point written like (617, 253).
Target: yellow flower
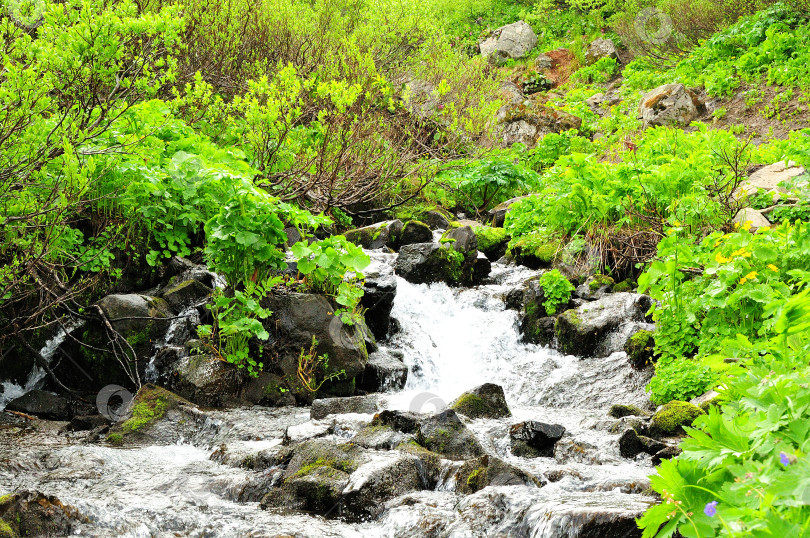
(763, 229)
(741, 252)
(750, 276)
(719, 258)
(773, 268)
(746, 225)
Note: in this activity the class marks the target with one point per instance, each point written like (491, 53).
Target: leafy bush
(556, 290)
(600, 71)
(744, 469)
(680, 379)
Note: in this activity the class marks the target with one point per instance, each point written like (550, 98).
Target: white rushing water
(452, 340)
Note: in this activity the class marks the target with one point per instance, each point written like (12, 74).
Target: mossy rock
(6, 531)
(624, 286)
(671, 418)
(622, 410)
(485, 401)
(149, 407)
(535, 251)
(492, 241)
(414, 232)
(640, 348)
(476, 474)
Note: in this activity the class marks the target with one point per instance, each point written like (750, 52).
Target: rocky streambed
(476, 432)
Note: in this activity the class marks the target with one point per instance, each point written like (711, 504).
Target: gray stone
(510, 42)
(632, 444)
(445, 434)
(367, 405)
(600, 48)
(484, 401)
(462, 239)
(535, 439)
(378, 301)
(384, 372)
(186, 293)
(207, 381)
(750, 218)
(670, 105)
(414, 232)
(584, 331)
(376, 236)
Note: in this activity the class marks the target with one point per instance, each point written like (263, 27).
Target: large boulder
(436, 220)
(510, 42)
(267, 389)
(533, 439)
(378, 481)
(584, 331)
(297, 318)
(378, 301)
(31, 513)
(384, 372)
(750, 219)
(445, 434)
(414, 232)
(640, 349)
(670, 105)
(207, 381)
(377, 235)
(492, 242)
(484, 401)
(42, 404)
(424, 263)
(601, 48)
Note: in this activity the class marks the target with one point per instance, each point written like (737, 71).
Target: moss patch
(5, 530)
(345, 466)
(624, 286)
(621, 410)
(598, 281)
(115, 439)
(477, 479)
(149, 406)
(538, 245)
(489, 238)
(640, 348)
(471, 405)
(673, 416)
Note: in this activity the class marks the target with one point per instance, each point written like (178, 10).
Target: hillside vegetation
(135, 131)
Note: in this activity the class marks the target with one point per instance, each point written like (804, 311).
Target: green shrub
(556, 290)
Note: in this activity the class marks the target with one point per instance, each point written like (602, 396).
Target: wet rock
(584, 331)
(536, 325)
(415, 232)
(670, 105)
(167, 358)
(42, 404)
(462, 239)
(600, 48)
(569, 450)
(403, 421)
(445, 434)
(368, 405)
(378, 300)
(435, 220)
(293, 235)
(31, 513)
(157, 417)
(207, 381)
(595, 287)
(484, 401)
(670, 419)
(87, 423)
(384, 372)
(513, 300)
(379, 437)
(476, 474)
(666, 454)
(424, 263)
(639, 424)
(622, 410)
(533, 439)
(378, 481)
(750, 218)
(640, 349)
(632, 444)
(297, 317)
(186, 293)
(132, 313)
(316, 475)
(376, 236)
(510, 42)
(482, 267)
